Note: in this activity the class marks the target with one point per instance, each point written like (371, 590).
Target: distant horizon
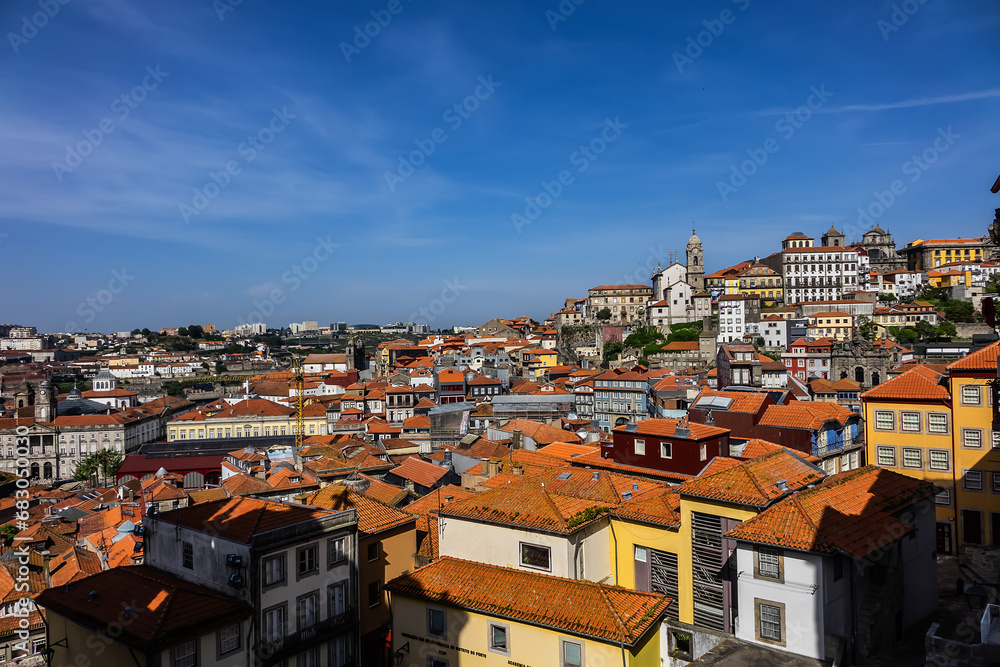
(445, 163)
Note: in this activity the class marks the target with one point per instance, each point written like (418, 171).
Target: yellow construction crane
(300, 404)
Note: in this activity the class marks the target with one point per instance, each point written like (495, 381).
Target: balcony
(276, 651)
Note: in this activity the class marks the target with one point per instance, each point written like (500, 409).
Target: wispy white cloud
(989, 93)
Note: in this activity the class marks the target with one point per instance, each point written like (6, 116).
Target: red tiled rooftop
(599, 611)
(240, 519)
(918, 383)
(843, 513)
(755, 482)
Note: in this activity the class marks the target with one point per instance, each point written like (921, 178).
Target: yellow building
(726, 281)
(976, 447)
(832, 324)
(908, 429)
(763, 282)
(251, 418)
(940, 427)
(950, 278)
(673, 542)
(456, 612)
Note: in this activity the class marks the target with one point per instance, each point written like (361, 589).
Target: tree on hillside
(866, 328)
(604, 314)
(195, 331)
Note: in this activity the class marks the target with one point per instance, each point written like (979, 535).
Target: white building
(835, 571)
(817, 273)
(774, 331)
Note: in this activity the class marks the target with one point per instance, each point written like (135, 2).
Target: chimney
(516, 469)
(782, 485)
(595, 476)
(492, 467)
(447, 460)
(515, 442)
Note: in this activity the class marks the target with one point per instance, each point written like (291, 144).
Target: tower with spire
(695, 263)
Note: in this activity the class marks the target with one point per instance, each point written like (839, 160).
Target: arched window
(47, 470)
(859, 375)
(875, 379)
(34, 470)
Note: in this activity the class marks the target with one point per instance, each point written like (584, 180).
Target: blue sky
(110, 217)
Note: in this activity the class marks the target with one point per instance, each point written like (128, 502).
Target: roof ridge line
(622, 627)
(802, 510)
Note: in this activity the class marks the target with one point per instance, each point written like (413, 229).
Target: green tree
(886, 296)
(98, 467)
(8, 531)
(195, 331)
(611, 350)
(926, 330)
(947, 329)
(136, 332)
(147, 333)
(959, 311)
(907, 335)
(604, 314)
(647, 339)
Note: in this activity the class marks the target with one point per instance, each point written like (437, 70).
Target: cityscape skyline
(454, 153)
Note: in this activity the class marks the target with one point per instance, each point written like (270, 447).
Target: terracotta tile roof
(75, 564)
(384, 493)
(659, 507)
(419, 471)
(417, 421)
(595, 460)
(718, 464)
(543, 434)
(846, 512)
(427, 537)
(245, 485)
(240, 519)
(561, 500)
(373, 517)
(567, 451)
(208, 495)
(257, 407)
(748, 402)
(437, 499)
(531, 463)
(980, 360)
(165, 609)
(284, 478)
(754, 482)
(680, 346)
(667, 428)
(602, 612)
(916, 383)
(755, 448)
(805, 415)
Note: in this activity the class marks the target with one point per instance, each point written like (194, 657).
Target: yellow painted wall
(631, 534)
(395, 557)
(899, 439)
(685, 582)
(466, 640)
(985, 458)
(82, 643)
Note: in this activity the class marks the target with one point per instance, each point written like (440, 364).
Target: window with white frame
(535, 556)
(937, 422)
(972, 438)
(769, 562)
(886, 457)
(938, 459)
(570, 653)
(972, 480)
(996, 482)
(186, 654)
(885, 420)
(499, 638)
(307, 615)
(943, 497)
(912, 457)
(770, 621)
(274, 570)
(910, 421)
(970, 394)
(666, 450)
(274, 624)
(229, 639)
(336, 549)
(640, 447)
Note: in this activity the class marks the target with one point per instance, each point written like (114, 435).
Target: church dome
(694, 240)
(74, 393)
